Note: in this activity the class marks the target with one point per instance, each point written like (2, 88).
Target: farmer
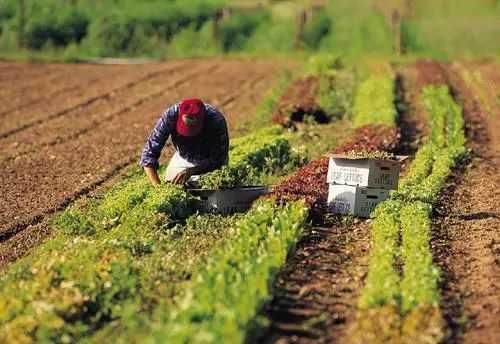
(199, 135)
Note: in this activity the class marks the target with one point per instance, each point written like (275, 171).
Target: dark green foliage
(315, 30)
(238, 28)
(57, 27)
(411, 37)
(7, 11)
(138, 31)
(106, 27)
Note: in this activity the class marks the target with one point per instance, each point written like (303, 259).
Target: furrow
(27, 119)
(82, 120)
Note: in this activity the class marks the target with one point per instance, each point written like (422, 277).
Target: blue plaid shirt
(207, 151)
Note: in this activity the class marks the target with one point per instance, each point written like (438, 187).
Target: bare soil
(91, 124)
(316, 292)
(466, 240)
(299, 101)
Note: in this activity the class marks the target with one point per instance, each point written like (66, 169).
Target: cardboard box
(228, 201)
(374, 173)
(356, 200)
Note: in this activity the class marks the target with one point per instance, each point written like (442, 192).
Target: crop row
(253, 157)
(110, 257)
(224, 298)
(222, 301)
(407, 305)
(138, 261)
(374, 102)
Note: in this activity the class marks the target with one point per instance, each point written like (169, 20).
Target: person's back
(199, 135)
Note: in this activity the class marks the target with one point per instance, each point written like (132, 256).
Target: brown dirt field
(83, 96)
(490, 73)
(84, 118)
(53, 84)
(10, 70)
(80, 141)
(466, 240)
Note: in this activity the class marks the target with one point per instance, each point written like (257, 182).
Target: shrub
(56, 27)
(315, 30)
(238, 28)
(142, 28)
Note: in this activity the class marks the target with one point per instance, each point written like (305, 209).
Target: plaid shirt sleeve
(157, 138)
(219, 147)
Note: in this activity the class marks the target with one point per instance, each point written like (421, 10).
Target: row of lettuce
(140, 263)
(120, 263)
(400, 300)
(111, 257)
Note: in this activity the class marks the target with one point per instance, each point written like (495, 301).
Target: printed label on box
(363, 172)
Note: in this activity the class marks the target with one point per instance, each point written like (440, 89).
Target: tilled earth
(299, 100)
(66, 129)
(466, 240)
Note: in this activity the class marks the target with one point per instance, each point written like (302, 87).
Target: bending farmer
(199, 135)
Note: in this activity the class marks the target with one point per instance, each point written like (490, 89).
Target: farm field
(66, 129)
(95, 248)
(70, 133)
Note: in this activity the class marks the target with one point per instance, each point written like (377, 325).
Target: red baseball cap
(191, 118)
